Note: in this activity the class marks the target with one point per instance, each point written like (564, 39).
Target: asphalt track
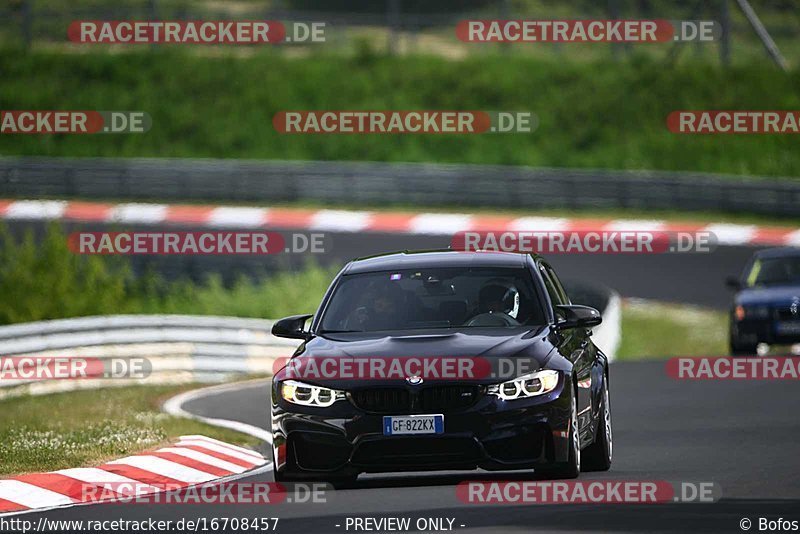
(741, 435)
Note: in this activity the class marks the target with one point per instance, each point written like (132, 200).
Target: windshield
(433, 298)
(774, 271)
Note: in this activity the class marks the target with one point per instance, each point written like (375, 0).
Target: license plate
(396, 425)
(788, 327)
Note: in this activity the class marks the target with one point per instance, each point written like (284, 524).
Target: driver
(499, 297)
(384, 307)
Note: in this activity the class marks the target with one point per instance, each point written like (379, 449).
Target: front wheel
(597, 456)
(741, 349)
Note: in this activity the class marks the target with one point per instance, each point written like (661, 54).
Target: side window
(557, 284)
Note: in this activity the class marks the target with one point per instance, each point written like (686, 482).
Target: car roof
(778, 252)
(434, 258)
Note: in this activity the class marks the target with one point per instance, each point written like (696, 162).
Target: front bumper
(491, 434)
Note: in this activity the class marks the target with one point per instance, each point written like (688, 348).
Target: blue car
(766, 307)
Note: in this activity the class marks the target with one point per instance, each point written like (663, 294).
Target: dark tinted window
(433, 298)
(774, 271)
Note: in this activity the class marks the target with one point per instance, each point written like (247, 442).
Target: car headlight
(308, 395)
(529, 385)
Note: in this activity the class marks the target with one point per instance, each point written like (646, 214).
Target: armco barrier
(418, 184)
(180, 348)
(187, 348)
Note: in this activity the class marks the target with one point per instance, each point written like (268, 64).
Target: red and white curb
(192, 460)
(371, 221)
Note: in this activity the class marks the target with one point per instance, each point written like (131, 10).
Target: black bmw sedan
(766, 307)
(442, 360)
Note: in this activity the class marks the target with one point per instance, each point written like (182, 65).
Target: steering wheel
(356, 319)
(492, 319)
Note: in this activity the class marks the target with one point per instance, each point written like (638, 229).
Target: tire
(572, 467)
(741, 349)
(597, 456)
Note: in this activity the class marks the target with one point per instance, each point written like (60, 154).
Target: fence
(179, 348)
(390, 183)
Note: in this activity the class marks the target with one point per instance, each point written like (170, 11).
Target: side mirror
(291, 327)
(576, 316)
(733, 283)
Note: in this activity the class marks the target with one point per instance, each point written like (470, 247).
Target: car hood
(773, 296)
(526, 349)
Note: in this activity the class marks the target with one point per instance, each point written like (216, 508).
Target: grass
(277, 295)
(603, 114)
(652, 330)
(87, 428)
